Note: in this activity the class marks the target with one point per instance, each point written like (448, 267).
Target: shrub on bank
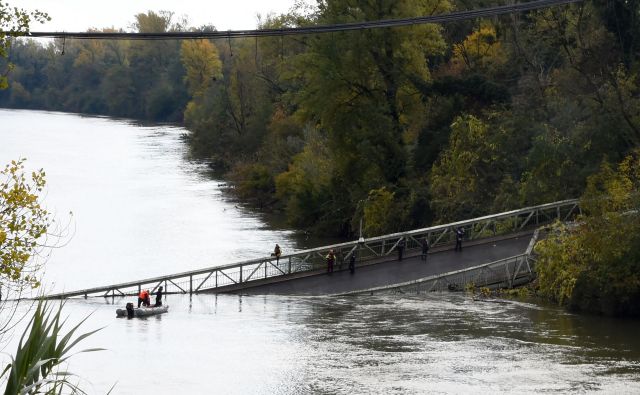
(594, 265)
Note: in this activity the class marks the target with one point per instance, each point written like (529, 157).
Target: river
(142, 208)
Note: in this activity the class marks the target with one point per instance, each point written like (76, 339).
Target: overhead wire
(384, 23)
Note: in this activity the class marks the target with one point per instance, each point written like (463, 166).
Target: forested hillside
(402, 127)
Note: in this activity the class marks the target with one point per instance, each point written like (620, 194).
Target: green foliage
(595, 265)
(253, 181)
(465, 180)
(377, 208)
(23, 225)
(361, 89)
(141, 80)
(552, 172)
(454, 120)
(202, 65)
(306, 186)
(559, 264)
(480, 51)
(14, 22)
(38, 364)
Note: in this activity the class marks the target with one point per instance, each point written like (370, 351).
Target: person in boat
(144, 298)
(158, 298)
(140, 298)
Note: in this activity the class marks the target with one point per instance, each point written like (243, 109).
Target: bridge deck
(393, 271)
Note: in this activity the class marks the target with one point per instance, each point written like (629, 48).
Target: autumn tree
(303, 186)
(594, 265)
(202, 65)
(466, 180)
(14, 22)
(24, 225)
(360, 89)
(480, 51)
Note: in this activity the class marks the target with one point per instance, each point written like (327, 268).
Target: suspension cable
(442, 18)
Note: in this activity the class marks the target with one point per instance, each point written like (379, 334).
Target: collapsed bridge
(497, 250)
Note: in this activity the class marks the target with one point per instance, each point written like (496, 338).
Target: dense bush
(595, 265)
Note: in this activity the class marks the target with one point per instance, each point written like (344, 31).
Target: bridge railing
(504, 273)
(250, 272)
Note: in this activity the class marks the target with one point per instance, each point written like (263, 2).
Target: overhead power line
(443, 18)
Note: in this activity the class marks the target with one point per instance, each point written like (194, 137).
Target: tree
(480, 51)
(377, 209)
(27, 235)
(361, 89)
(202, 65)
(465, 180)
(306, 185)
(595, 264)
(23, 226)
(156, 69)
(14, 22)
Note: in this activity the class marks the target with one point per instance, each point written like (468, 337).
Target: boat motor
(130, 310)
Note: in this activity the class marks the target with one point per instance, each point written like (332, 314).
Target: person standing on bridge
(352, 262)
(400, 248)
(331, 259)
(459, 235)
(425, 249)
(277, 252)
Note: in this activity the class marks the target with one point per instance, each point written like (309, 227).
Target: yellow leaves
(598, 258)
(456, 177)
(22, 222)
(479, 51)
(376, 211)
(202, 64)
(559, 263)
(611, 191)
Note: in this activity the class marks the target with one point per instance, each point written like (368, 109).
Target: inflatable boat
(142, 311)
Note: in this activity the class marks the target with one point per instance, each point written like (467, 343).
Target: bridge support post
(240, 274)
(190, 284)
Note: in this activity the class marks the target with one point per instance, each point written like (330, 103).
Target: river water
(141, 208)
